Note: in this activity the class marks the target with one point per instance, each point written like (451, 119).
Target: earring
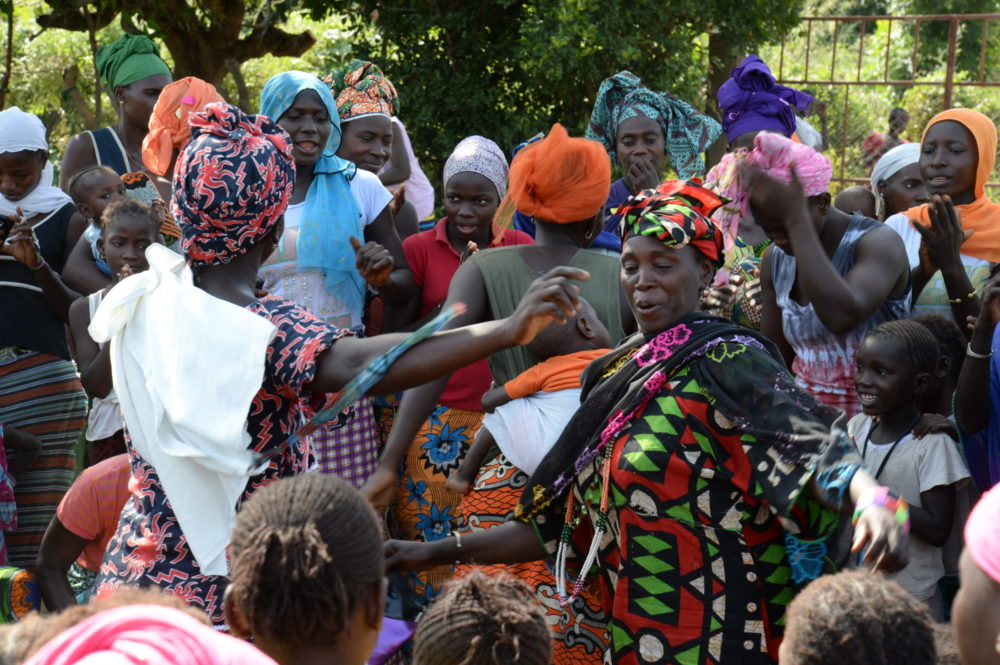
(589, 234)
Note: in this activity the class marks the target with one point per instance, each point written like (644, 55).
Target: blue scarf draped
(331, 214)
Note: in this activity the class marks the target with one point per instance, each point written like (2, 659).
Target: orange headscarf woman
(952, 240)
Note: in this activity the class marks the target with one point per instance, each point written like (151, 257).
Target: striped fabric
(40, 394)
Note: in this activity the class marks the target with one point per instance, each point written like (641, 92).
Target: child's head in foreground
(582, 332)
(94, 189)
(481, 620)
(128, 227)
(856, 199)
(975, 613)
(858, 618)
(307, 570)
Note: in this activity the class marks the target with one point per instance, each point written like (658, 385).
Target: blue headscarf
(331, 213)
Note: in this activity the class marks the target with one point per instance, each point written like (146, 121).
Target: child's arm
(21, 448)
(494, 397)
(60, 548)
(461, 481)
(93, 361)
(80, 272)
(932, 522)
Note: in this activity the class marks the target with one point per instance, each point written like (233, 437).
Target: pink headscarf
(982, 533)
(775, 155)
(147, 634)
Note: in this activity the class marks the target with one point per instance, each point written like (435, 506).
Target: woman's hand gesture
(783, 201)
(374, 261)
(941, 242)
(22, 243)
(886, 543)
(551, 297)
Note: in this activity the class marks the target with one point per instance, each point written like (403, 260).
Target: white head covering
(24, 131)
(478, 155)
(889, 165)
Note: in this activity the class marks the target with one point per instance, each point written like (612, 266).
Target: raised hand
(941, 242)
(374, 262)
(470, 249)
(641, 175)
(551, 297)
(782, 200)
(878, 530)
(398, 198)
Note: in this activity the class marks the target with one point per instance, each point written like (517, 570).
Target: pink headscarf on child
(147, 634)
(982, 533)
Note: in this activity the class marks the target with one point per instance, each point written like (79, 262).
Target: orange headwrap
(168, 125)
(559, 179)
(982, 215)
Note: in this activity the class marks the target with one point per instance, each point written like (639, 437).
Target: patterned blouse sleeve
(789, 438)
(299, 341)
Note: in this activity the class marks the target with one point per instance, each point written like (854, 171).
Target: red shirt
(434, 262)
(93, 504)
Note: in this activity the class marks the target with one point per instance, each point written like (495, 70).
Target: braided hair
(919, 344)
(482, 620)
(951, 341)
(859, 618)
(305, 552)
(129, 208)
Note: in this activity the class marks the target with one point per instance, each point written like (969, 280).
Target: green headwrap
(130, 59)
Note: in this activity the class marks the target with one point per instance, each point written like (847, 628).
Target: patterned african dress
(702, 448)
(149, 548)
(579, 631)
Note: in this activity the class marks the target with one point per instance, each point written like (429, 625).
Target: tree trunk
(8, 59)
(721, 60)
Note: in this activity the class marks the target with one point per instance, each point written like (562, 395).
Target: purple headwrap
(752, 101)
(232, 183)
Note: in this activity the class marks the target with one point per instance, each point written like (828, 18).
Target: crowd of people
(680, 417)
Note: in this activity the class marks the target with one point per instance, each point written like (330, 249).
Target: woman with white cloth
(208, 420)
(40, 391)
(896, 181)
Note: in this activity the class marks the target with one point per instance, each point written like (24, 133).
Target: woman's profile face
(367, 141)
(138, 99)
(904, 190)
(948, 161)
(662, 284)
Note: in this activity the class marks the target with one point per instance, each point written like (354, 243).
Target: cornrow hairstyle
(305, 552)
(481, 620)
(859, 618)
(918, 342)
(951, 341)
(129, 208)
(78, 184)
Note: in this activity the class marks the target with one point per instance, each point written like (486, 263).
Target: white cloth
(419, 190)
(892, 161)
(526, 428)
(808, 134)
(186, 367)
(281, 273)
(24, 131)
(105, 417)
(916, 465)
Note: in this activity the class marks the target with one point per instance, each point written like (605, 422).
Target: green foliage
(508, 69)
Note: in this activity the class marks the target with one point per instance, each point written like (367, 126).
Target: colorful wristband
(41, 264)
(881, 496)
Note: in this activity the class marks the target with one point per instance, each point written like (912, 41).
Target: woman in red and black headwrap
(232, 184)
(691, 471)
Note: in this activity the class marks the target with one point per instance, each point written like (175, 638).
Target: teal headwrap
(686, 132)
(130, 59)
(331, 214)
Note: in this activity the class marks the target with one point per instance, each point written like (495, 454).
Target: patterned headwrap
(168, 125)
(478, 154)
(753, 101)
(686, 132)
(677, 213)
(361, 88)
(775, 155)
(129, 59)
(232, 183)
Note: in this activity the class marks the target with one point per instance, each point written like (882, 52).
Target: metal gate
(859, 68)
